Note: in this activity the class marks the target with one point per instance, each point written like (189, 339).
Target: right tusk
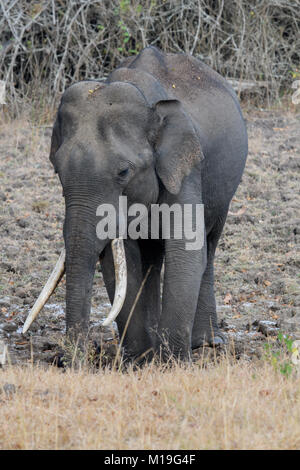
(48, 289)
(118, 250)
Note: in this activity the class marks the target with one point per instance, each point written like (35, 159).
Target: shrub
(48, 45)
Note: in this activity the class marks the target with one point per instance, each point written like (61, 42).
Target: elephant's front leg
(183, 273)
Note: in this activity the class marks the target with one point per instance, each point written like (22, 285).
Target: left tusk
(118, 250)
(48, 289)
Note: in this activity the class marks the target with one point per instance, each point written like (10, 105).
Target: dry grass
(228, 405)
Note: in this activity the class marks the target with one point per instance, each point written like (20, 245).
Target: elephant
(163, 128)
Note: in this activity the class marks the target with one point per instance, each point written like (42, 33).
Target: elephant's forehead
(94, 94)
(97, 105)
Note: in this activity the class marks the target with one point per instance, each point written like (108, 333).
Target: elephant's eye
(123, 173)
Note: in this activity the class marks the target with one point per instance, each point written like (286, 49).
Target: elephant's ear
(177, 145)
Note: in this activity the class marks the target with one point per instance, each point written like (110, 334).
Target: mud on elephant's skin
(163, 128)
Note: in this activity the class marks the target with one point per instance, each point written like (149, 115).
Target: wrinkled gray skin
(162, 128)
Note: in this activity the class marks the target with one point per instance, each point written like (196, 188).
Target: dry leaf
(228, 298)
(265, 392)
(239, 212)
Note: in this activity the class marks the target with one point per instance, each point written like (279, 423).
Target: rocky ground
(258, 258)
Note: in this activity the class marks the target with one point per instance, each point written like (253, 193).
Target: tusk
(118, 250)
(48, 289)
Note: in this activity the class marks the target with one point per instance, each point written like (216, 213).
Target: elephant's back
(183, 76)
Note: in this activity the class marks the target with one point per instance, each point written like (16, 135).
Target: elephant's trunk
(81, 257)
(79, 261)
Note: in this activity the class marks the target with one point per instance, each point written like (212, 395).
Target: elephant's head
(110, 140)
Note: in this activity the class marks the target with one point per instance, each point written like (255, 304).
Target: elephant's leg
(137, 337)
(205, 329)
(152, 257)
(183, 274)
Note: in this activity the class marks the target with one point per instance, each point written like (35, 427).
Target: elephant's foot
(136, 360)
(91, 354)
(169, 351)
(212, 338)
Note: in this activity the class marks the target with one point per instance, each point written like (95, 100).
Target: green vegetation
(281, 359)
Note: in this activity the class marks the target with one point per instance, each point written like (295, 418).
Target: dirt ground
(257, 262)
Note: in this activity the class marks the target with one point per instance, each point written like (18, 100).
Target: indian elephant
(162, 128)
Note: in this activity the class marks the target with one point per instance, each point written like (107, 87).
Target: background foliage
(46, 45)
